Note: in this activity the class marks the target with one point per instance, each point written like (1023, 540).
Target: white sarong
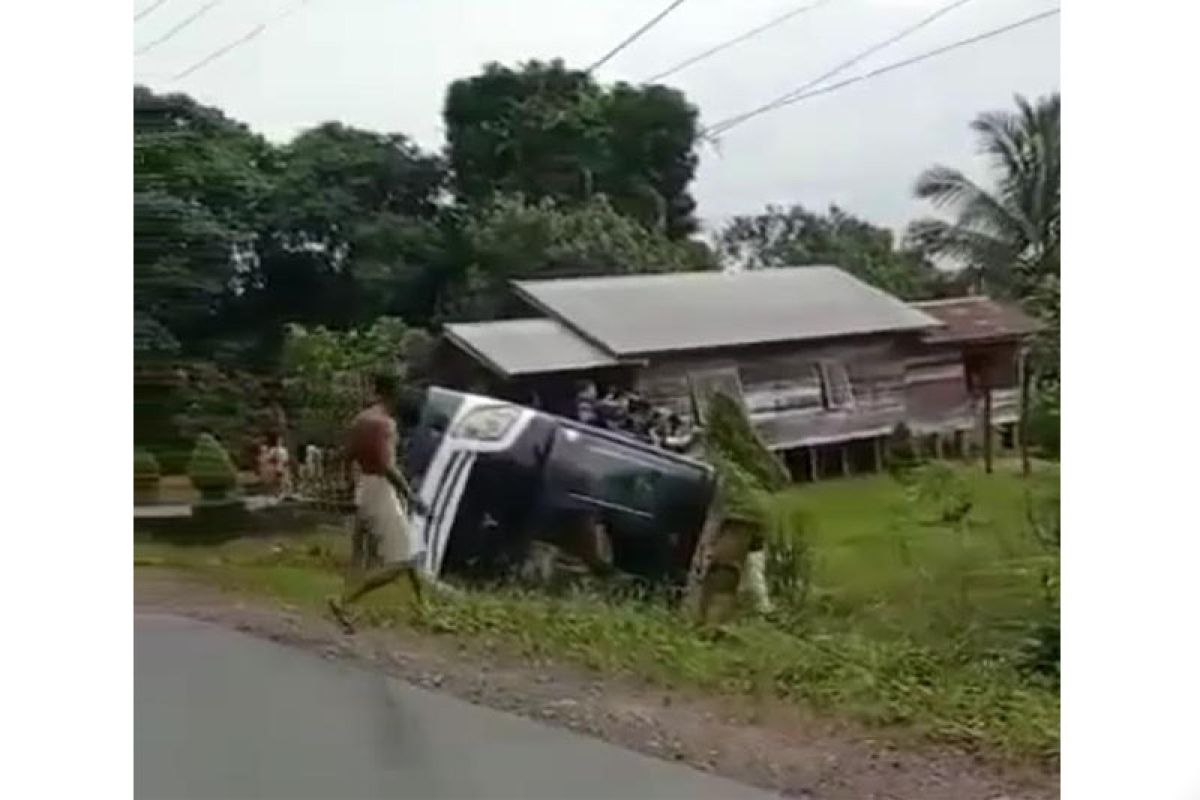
(382, 514)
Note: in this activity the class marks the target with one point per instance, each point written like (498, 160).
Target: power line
(166, 37)
(151, 7)
(633, 36)
(870, 51)
(750, 34)
(246, 37)
(795, 98)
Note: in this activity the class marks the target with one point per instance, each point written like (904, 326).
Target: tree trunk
(1023, 424)
(987, 430)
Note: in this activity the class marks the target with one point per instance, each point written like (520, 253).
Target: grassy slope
(909, 625)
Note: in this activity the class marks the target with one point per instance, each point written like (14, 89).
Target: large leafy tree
(1007, 235)
(515, 238)
(201, 186)
(352, 232)
(796, 237)
(544, 131)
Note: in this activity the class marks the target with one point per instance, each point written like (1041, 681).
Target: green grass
(913, 626)
(884, 569)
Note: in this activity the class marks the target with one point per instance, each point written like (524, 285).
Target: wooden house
(826, 366)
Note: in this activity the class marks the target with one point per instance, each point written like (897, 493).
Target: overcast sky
(385, 65)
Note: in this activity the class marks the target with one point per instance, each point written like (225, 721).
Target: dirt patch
(766, 746)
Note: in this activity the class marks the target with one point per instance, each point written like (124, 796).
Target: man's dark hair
(385, 384)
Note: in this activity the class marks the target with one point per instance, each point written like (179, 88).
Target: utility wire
(795, 98)
(635, 35)
(169, 35)
(246, 37)
(150, 8)
(870, 51)
(750, 34)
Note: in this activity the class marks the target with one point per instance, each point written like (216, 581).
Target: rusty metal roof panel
(525, 346)
(640, 314)
(975, 318)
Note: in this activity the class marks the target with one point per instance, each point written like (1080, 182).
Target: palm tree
(1007, 238)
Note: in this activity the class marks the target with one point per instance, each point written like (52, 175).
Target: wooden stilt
(845, 461)
(813, 463)
(1023, 413)
(937, 446)
(878, 454)
(988, 434)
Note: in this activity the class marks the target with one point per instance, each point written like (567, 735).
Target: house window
(801, 393)
(835, 386)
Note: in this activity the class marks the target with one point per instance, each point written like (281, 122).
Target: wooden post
(845, 462)
(937, 446)
(987, 430)
(1023, 413)
(878, 454)
(813, 462)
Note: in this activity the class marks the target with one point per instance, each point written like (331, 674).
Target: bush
(942, 490)
(731, 434)
(1044, 420)
(146, 472)
(210, 468)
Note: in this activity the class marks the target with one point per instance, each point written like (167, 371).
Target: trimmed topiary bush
(146, 474)
(211, 469)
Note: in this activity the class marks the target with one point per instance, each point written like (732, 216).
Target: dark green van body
(525, 475)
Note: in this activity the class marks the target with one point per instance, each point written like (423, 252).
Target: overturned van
(497, 477)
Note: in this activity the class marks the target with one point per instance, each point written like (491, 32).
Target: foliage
(940, 489)
(731, 435)
(326, 372)
(352, 230)
(1008, 237)
(548, 132)
(146, 471)
(1045, 419)
(200, 184)
(1043, 646)
(515, 238)
(796, 237)
(751, 481)
(211, 470)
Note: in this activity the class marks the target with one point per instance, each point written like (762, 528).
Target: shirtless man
(380, 499)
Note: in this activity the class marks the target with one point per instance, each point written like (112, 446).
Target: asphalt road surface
(220, 714)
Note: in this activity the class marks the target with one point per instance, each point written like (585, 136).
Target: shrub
(941, 489)
(146, 471)
(731, 433)
(210, 468)
(1045, 420)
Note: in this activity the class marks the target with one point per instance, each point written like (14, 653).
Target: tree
(352, 232)
(794, 236)
(545, 131)
(326, 372)
(514, 238)
(1007, 237)
(201, 182)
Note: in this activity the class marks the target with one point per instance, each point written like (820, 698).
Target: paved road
(219, 714)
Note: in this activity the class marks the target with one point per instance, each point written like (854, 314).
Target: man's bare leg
(372, 580)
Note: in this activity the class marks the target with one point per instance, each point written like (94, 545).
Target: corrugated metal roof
(974, 318)
(523, 346)
(640, 314)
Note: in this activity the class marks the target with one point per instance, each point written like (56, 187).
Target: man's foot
(341, 615)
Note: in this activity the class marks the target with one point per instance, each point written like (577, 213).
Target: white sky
(385, 65)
